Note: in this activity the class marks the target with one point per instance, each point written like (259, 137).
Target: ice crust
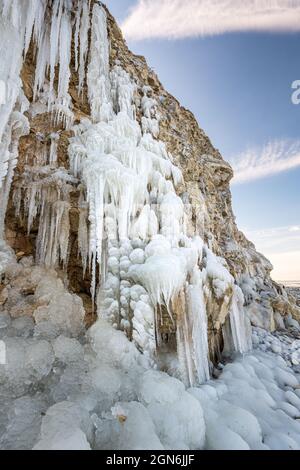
(96, 390)
(63, 388)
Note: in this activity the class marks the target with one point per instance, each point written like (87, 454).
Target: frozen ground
(63, 389)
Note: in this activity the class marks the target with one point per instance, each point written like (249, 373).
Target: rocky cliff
(43, 176)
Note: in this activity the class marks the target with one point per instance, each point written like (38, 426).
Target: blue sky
(238, 85)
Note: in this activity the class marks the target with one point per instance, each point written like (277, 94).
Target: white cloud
(275, 157)
(281, 245)
(191, 18)
(275, 240)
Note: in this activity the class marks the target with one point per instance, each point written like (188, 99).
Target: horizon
(241, 84)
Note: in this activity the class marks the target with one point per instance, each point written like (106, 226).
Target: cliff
(205, 189)
(125, 282)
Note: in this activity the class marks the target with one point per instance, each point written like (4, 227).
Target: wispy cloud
(276, 240)
(273, 158)
(191, 18)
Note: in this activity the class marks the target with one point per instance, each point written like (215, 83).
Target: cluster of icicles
(132, 224)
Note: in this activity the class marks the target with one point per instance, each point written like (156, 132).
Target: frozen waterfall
(132, 232)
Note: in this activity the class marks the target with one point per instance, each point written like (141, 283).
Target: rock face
(49, 207)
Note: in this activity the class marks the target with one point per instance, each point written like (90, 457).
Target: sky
(233, 63)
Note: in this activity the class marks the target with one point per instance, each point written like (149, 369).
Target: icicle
(98, 69)
(40, 21)
(240, 327)
(54, 228)
(46, 193)
(53, 39)
(76, 34)
(122, 90)
(198, 318)
(17, 200)
(53, 149)
(10, 68)
(150, 119)
(83, 239)
(83, 38)
(17, 127)
(162, 275)
(57, 9)
(184, 353)
(31, 205)
(42, 61)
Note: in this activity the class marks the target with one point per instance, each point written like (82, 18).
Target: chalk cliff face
(93, 128)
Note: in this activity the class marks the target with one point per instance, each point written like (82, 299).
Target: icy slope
(64, 389)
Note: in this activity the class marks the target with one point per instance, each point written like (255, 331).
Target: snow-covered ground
(62, 388)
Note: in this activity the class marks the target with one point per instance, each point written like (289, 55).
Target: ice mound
(67, 350)
(59, 311)
(69, 390)
(281, 343)
(24, 418)
(129, 427)
(113, 346)
(65, 313)
(177, 416)
(248, 407)
(65, 426)
(27, 363)
(7, 257)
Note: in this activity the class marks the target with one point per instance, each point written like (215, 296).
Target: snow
(65, 427)
(67, 349)
(66, 313)
(70, 390)
(177, 416)
(136, 432)
(246, 412)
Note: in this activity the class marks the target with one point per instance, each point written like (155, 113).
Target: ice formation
(153, 284)
(62, 388)
(128, 199)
